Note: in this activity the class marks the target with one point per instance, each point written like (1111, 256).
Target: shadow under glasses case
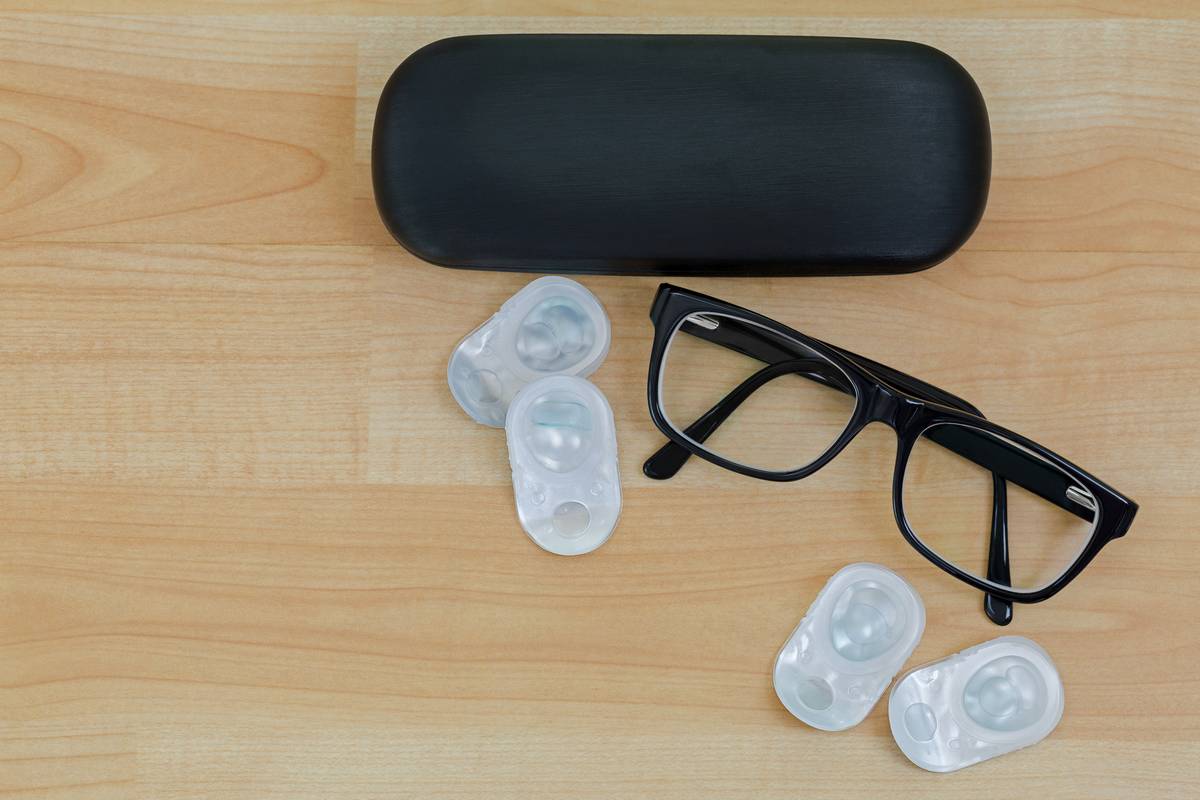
(702, 155)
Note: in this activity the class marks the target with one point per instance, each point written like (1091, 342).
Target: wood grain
(152, 130)
(508, 9)
(250, 547)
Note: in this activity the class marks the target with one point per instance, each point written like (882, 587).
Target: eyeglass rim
(820, 459)
(992, 586)
(672, 304)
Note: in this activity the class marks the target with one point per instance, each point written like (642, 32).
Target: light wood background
(250, 547)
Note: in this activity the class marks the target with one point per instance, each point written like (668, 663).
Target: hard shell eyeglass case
(709, 155)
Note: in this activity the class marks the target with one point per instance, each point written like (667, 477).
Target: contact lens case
(856, 636)
(986, 701)
(553, 326)
(562, 446)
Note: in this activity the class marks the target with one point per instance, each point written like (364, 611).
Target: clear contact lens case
(856, 636)
(562, 446)
(986, 701)
(553, 326)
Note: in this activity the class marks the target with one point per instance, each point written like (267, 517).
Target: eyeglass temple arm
(998, 609)
(671, 457)
(1002, 459)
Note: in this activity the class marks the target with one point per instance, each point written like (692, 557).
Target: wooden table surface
(251, 548)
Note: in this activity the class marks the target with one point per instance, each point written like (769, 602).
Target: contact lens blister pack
(986, 701)
(856, 636)
(562, 446)
(553, 326)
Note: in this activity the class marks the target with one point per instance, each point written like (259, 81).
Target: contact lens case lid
(553, 326)
(983, 702)
(562, 446)
(857, 634)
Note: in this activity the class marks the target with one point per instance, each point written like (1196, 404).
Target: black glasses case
(702, 155)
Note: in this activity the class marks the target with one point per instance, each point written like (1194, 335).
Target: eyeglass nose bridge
(890, 407)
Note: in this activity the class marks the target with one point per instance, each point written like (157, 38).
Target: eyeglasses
(987, 505)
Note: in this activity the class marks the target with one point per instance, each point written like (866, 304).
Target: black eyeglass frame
(906, 404)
